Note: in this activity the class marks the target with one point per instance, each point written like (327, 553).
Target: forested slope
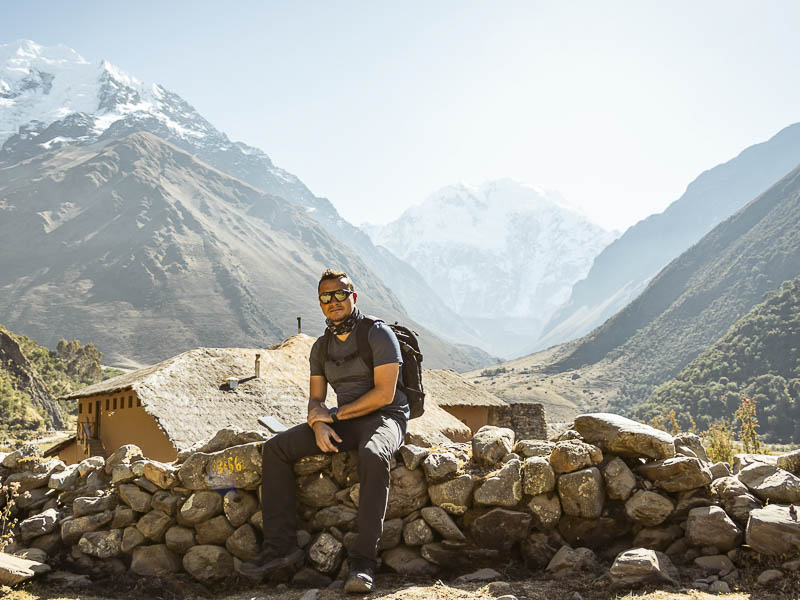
(32, 377)
(758, 358)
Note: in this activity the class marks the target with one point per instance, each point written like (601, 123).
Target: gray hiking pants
(376, 437)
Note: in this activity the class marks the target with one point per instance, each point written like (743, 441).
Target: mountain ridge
(624, 268)
(121, 104)
(136, 244)
(684, 310)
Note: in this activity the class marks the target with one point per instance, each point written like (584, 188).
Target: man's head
(331, 282)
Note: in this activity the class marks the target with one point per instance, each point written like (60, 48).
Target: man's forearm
(368, 403)
(317, 411)
(315, 403)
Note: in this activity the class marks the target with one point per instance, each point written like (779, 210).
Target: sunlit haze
(376, 105)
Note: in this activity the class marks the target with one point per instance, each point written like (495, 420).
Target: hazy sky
(375, 105)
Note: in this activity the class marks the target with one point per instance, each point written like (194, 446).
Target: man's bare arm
(318, 415)
(317, 392)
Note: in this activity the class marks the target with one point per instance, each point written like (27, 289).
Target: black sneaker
(360, 581)
(270, 561)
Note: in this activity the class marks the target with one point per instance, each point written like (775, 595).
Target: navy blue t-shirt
(353, 378)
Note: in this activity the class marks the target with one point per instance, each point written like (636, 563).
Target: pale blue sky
(375, 105)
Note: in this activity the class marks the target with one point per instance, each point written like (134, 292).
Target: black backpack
(409, 350)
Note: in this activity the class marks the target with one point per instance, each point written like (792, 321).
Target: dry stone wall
(609, 491)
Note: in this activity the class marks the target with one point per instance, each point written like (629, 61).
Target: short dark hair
(334, 274)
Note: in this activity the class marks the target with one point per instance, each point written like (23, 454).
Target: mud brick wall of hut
(526, 419)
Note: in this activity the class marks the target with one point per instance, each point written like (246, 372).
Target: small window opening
(115, 404)
(130, 401)
(80, 408)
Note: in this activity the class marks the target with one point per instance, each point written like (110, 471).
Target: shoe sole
(355, 585)
(259, 572)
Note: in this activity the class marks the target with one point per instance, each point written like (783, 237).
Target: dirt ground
(389, 587)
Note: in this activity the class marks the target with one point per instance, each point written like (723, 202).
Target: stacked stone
(527, 419)
(630, 493)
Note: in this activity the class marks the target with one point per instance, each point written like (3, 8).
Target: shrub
(718, 441)
(748, 423)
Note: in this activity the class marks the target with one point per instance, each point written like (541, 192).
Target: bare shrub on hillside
(8, 495)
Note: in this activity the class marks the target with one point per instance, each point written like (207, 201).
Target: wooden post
(299, 329)
(258, 366)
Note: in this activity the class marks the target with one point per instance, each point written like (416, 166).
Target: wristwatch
(333, 414)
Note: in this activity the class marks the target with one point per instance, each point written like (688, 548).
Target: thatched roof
(189, 399)
(449, 389)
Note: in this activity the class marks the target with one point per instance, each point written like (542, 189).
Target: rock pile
(609, 490)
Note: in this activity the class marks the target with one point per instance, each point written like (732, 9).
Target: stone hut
(468, 403)
(168, 407)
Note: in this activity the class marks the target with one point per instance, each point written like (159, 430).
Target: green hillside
(32, 377)
(695, 299)
(757, 358)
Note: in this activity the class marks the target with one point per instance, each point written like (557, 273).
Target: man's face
(336, 310)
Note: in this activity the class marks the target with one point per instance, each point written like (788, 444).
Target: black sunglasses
(339, 295)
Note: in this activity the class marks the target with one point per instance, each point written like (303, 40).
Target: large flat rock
(772, 530)
(678, 474)
(14, 570)
(771, 484)
(236, 467)
(624, 437)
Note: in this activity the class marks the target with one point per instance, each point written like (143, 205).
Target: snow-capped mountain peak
(26, 51)
(501, 249)
(475, 216)
(51, 96)
(48, 83)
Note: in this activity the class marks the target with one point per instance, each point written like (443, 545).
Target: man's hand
(325, 435)
(318, 413)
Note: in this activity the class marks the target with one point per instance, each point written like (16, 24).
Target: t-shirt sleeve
(384, 344)
(315, 358)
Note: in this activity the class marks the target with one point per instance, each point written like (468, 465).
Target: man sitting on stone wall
(371, 416)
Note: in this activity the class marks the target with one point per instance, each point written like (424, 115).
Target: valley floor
(391, 587)
(564, 395)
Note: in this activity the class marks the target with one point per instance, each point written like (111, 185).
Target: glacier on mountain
(51, 96)
(503, 250)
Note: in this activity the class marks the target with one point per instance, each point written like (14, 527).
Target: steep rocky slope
(51, 97)
(25, 388)
(623, 269)
(137, 246)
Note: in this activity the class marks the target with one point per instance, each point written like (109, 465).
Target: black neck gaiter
(345, 326)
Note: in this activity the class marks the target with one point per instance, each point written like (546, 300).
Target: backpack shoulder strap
(362, 340)
(326, 341)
